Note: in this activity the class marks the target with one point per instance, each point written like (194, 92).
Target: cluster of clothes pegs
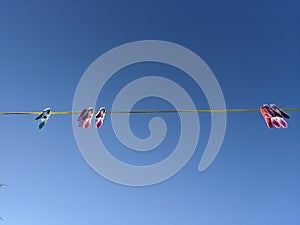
(84, 119)
(274, 116)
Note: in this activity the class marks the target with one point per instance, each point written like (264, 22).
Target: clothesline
(149, 111)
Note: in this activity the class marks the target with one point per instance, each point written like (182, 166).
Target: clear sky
(253, 49)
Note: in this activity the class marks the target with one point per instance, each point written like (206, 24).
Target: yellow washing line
(152, 111)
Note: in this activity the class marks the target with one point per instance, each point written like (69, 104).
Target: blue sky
(251, 46)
